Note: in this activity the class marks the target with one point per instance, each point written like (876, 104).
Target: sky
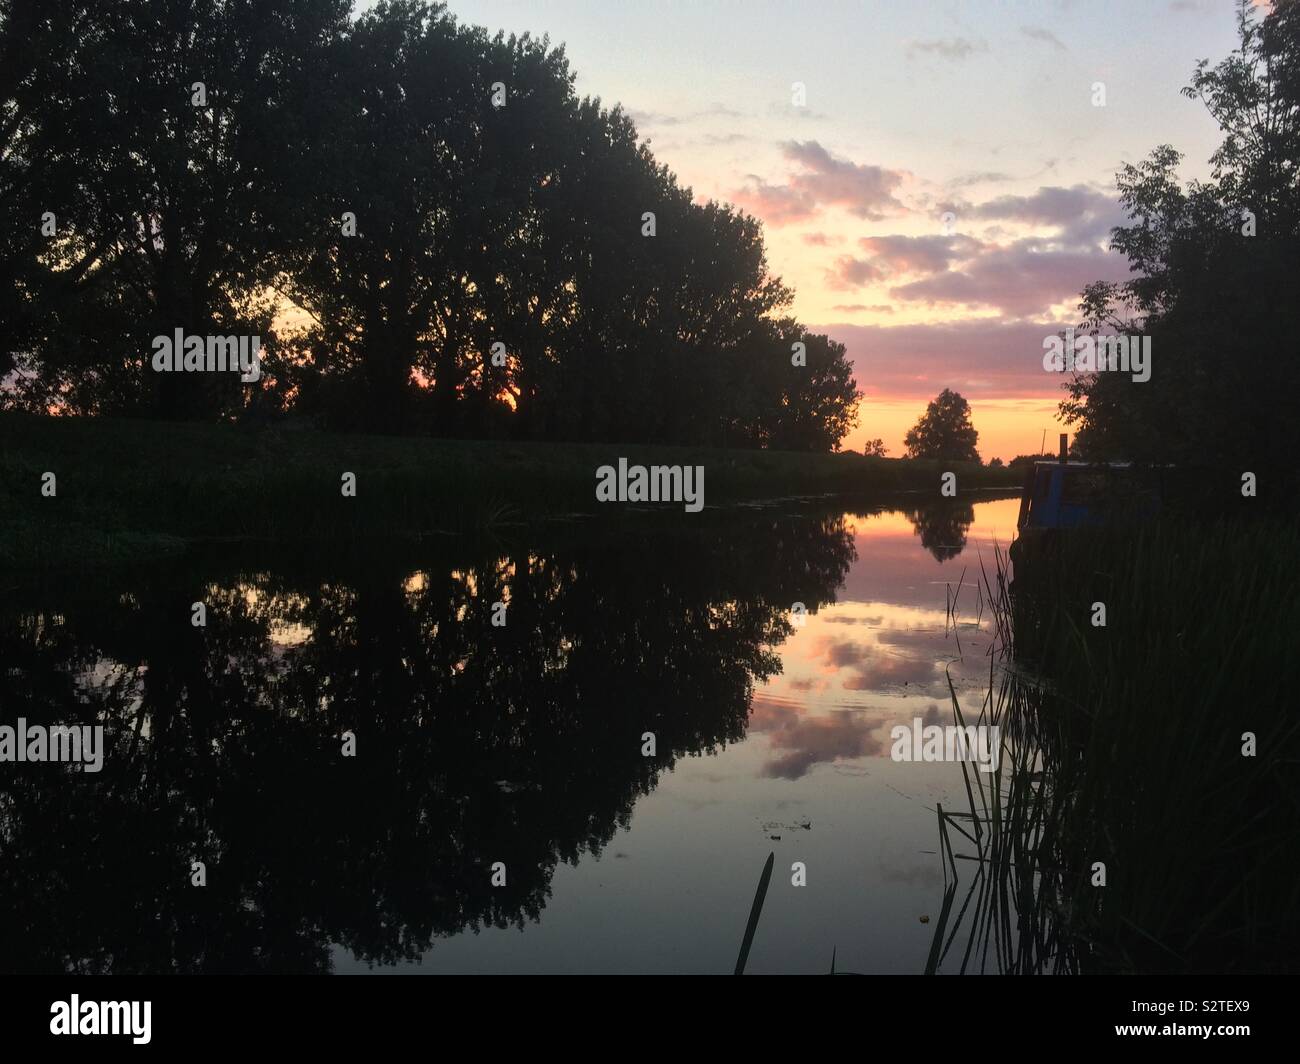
(944, 187)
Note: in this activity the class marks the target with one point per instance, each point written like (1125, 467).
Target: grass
(1125, 748)
(131, 490)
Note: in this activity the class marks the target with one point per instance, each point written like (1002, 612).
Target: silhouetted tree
(173, 199)
(425, 225)
(944, 430)
(1214, 266)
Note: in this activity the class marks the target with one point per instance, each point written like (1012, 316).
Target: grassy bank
(133, 489)
(1127, 750)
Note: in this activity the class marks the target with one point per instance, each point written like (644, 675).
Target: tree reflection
(475, 743)
(942, 527)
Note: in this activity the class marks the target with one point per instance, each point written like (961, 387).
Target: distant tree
(1022, 460)
(944, 431)
(874, 448)
(995, 463)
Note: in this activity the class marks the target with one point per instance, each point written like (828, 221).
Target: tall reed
(1127, 756)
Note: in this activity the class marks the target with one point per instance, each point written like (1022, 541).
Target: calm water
(477, 744)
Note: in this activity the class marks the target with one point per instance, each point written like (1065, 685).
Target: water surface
(478, 743)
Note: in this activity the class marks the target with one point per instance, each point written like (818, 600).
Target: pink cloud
(919, 254)
(1022, 279)
(849, 272)
(1007, 357)
(775, 204)
(821, 240)
(1083, 216)
(799, 742)
(823, 180)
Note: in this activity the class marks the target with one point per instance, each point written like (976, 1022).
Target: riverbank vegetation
(128, 489)
(1144, 816)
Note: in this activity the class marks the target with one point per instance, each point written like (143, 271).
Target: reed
(1124, 748)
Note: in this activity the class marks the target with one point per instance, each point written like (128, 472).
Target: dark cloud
(889, 256)
(919, 254)
(1037, 33)
(1084, 215)
(980, 177)
(955, 48)
(1021, 279)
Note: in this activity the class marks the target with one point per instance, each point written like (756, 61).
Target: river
(567, 750)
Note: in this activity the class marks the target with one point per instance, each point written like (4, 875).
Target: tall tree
(462, 245)
(1214, 268)
(176, 138)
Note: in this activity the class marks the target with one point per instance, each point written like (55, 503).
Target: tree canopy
(944, 430)
(1214, 266)
(427, 227)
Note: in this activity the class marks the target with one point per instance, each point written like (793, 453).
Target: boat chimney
(1065, 449)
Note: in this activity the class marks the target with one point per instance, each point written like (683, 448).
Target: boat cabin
(1066, 494)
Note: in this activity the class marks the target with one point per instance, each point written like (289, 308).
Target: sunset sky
(984, 109)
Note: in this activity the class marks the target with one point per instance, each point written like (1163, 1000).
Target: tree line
(428, 228)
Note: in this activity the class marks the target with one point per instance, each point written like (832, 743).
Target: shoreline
(128, 490)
